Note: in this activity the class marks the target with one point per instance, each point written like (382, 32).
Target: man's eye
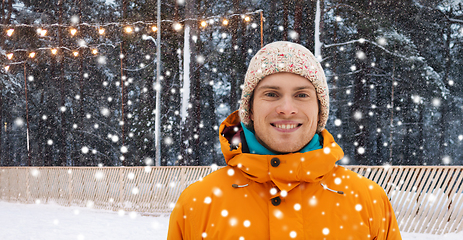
(270, 95)
(303, 95)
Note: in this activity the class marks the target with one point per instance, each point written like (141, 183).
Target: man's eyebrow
(305, 87)
(268, 87)
(277, 88)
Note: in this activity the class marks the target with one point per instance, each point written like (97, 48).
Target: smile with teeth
(286, 126)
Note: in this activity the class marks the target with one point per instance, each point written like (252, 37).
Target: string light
(41, 32)
(7, 68)
(177, 26)
(128, 29)
(203, 24)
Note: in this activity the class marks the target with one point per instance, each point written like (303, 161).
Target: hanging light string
(101, 29)
(125, 23)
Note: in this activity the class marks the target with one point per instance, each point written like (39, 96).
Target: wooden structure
(425, 199)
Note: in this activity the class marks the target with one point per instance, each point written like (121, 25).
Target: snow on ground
(55, 222)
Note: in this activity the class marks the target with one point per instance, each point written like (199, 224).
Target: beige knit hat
(284, 57)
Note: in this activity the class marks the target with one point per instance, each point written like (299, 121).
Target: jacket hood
(293, 168)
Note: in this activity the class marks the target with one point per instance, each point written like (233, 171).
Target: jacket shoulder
(214, 183)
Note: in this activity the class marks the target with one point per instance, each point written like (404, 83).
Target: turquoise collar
(256, 148)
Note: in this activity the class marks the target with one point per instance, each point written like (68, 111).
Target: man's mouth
(286, 126)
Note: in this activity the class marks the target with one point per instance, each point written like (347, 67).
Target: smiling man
(281, 180)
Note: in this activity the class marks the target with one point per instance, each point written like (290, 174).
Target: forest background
(88, 98)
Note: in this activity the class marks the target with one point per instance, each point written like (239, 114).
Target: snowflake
(278, 214)
(358, 115)
(75, 19)
(90, 204)
(124, 149)
(382, 41)
(233, 221)
(361, 150)
(273, 191)
(284, 193)
(326, 231)
(35, 172)
(224, 213)
(345, 160)
(135, 190)
(293, 234)
(230, 172)
(326, 150)
(436, 102)
(360, 55)
(446, 160)
(214, 167)
(101, 60)
(217, 192)
(387, 166)
(313, 201)
(85, 150)
(131, 175)
(99, 175)
(293, 35)
(168, 140)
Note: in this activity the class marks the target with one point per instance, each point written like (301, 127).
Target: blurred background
(78, 79)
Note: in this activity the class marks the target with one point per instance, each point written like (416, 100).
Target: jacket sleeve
(389, 223)
(177, 223)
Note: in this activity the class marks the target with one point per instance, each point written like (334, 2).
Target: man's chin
(286, 150)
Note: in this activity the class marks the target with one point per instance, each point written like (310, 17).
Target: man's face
(284, 112)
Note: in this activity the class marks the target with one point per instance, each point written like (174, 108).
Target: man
(281, 180)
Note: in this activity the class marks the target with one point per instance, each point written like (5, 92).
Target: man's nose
(286, 106)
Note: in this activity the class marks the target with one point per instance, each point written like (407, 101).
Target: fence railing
(425, 199)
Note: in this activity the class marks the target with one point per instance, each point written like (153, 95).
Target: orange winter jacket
(291, 196)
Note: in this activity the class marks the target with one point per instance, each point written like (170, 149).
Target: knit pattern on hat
(284, 57)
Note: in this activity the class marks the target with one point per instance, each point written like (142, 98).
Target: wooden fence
(425, 199)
